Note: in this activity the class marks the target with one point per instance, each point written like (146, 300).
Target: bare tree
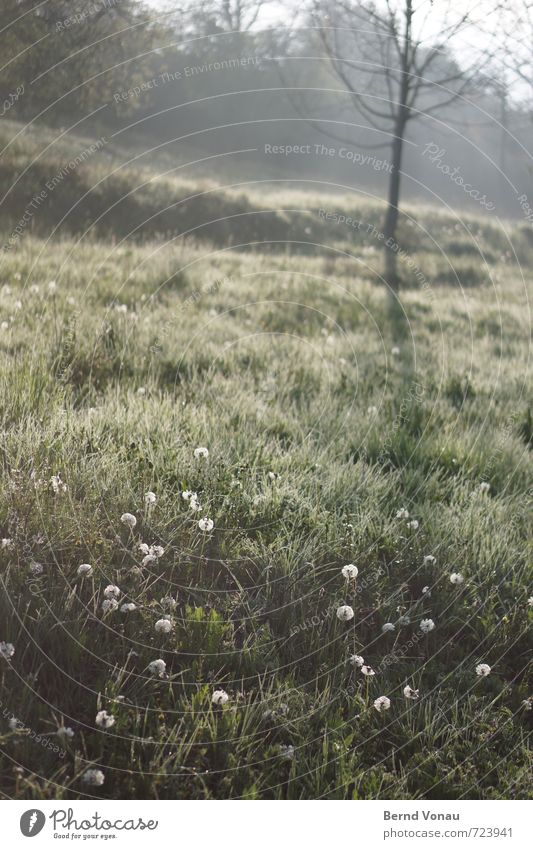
(394, 60)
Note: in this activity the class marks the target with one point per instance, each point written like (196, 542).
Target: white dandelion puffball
(219, 697)
(150, 499)
(345, 613)
(409, 693)
(357, 660)
(109, 605)
(372, 411)
(150, 558)
(168, 603)
(206, 524)
(484, 486)
(129, 520)
(427, 625)
(111, 591)
(429, 560)
(404, 620)
(93, 777)
(52, 286)
(482, 670)
(350, 572)
(530, 601)
(527, 704)
(157, 550)
(36, 568)
(402, 513)
(6, 543)
(456, 578)
(413, 524)
(426, 590)
(85, 570)
(368, 671)
(382, 703)
(194, 505)
(7, 650)
(271, 476)
(388, 626)
(128, 607)
(187, 494)
(286, 752)
(157, 667)
(395, 351)
(163, 626)
(144, 548)
(65, 732)
(201, 453)
(104, 719)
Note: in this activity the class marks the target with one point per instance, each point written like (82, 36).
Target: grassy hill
(325, 417)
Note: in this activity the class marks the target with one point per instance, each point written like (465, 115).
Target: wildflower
(456, 578)
(195, 505)
(271, 476)
(141, 390)
(286, 752)
(104, 719)
(372, 411)
(128, 607)
(409, 693)
(168, 603)
(150, 558)
(52, 286)
(157, 667)
(57, 484)
(163, 626)
(345, 613)
(129, 520)
(429, 560)
(368, 671)
(219, 697)
(65, 732)
(427, 625)
(388, 626)
(7, 650)
(395, 351)
(111, 591)
(187, 494)
(404, 620)
(350, 572)
(206, 524)
(144, 548)
(484, 486)
(482, 670)
(109, 605)
(426, 590)
(157, 550)
(530, 601)
(85, 570)
(357, 660)
(6, 543)
(93, 777)
(402, 513)
(201, 453)
(413, 524)
(150, 499)
(382, 703)
(36, 568)
(527, 704)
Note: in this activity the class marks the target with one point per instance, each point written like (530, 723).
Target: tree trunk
(391, 215)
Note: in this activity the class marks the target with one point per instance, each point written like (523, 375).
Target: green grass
(271, 359)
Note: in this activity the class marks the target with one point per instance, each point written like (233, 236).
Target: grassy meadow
(268, 338)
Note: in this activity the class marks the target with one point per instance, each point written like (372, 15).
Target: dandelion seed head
(219, 697)
(427, 625)
(345, 613)
(93, 777)
(104, 719)
(482, 670)
(7, 650)
(129, 520)
(382, 703)
(206, 524)
(163, 626)
(85, 570)
(157, 667)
